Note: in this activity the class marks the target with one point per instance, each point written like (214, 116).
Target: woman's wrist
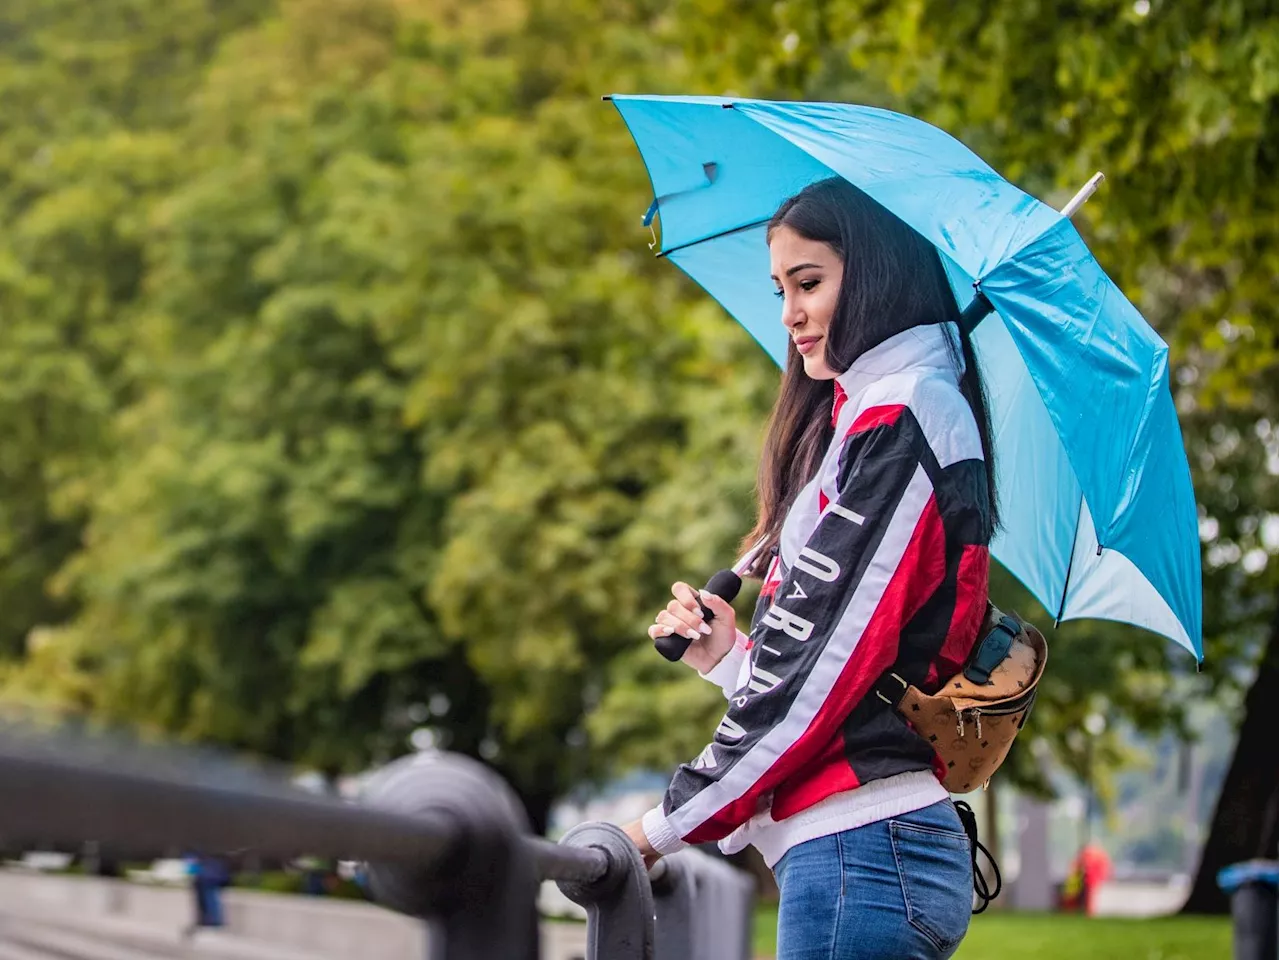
(704, 658)
(715, 658)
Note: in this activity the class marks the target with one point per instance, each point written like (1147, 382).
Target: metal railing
(444, 839)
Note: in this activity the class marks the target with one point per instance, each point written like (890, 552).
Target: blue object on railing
(1231, 878)
(1252, 888)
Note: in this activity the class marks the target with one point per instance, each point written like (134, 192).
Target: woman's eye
(807, 285)
(779, 294)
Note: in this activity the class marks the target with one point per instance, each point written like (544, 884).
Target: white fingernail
(705, 629)
(664, 631)
(705, 595)
(691, 633)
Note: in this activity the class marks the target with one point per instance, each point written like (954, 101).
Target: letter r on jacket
(795, 627)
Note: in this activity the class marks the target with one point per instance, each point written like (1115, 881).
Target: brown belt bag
(972, 719)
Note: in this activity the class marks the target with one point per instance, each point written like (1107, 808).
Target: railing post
(703, 907)
(620, 904)
(482, 894)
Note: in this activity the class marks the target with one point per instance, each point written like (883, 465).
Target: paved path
(35, 935)
(84, 919)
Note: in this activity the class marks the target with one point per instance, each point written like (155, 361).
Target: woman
(876, 506)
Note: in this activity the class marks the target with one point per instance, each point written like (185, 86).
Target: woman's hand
(635, 830)
(709, 641)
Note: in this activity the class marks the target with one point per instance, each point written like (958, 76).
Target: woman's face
(807, 276)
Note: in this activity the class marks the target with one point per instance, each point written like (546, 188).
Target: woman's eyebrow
(801, 266)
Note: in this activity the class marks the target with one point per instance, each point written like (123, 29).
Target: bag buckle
(893, 703)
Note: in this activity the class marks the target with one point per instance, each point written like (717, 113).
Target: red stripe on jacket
(772, 579)
(967, 617)
(838, 404)
(872, 417)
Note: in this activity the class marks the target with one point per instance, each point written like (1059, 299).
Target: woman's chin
(815, 368)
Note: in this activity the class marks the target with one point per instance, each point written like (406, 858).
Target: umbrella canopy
(1099, 517)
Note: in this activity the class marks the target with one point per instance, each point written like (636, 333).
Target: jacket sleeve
(725, 673)
(875, 555)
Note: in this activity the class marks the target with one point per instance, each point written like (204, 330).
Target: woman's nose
(792, 317)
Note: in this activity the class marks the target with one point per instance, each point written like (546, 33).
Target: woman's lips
(806, 344)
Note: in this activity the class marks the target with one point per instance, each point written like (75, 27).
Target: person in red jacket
(876, 508)
(1089, 871)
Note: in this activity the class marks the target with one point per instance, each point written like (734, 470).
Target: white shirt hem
(869, 803)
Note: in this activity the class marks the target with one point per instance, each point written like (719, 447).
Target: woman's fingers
(660, 630)
(683, 615)
(679, 621)
(665, 625)
(720, 607)
(690, 619)
(687, 596)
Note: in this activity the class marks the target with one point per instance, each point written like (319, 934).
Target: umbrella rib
(714, 236)
(1071, 559)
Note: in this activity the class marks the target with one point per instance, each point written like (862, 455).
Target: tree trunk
(1244, 822)
(990, 835)
(537, 804)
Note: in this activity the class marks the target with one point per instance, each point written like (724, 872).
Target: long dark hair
(893, 280)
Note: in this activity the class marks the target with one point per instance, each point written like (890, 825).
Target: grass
(1019, 936)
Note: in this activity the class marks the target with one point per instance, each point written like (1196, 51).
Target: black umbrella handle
(724, 585)
(974, 313)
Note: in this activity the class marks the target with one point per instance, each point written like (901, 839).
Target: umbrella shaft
(978, 308)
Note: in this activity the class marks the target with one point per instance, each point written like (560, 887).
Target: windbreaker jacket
(882, 561)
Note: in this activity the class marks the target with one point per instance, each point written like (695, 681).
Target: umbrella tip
(1085, 193)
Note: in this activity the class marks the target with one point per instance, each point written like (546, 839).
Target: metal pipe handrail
(60, 801)
(554, 861)
(64, 791)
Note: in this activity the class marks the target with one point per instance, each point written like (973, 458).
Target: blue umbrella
(1099, 518)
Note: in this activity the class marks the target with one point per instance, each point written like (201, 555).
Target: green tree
(409, 429)
(90, 93)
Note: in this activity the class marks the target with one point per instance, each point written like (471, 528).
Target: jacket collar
(922, 348)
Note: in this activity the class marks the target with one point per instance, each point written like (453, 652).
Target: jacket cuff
(725, 673)
(659, 832)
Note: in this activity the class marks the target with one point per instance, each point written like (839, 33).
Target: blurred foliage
(343, 397)
(390, 424)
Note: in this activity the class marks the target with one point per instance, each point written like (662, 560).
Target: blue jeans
(208, 903)
(899, 889)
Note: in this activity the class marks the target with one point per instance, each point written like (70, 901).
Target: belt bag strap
(988, 654)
